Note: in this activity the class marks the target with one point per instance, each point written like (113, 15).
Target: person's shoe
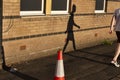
(115, 63)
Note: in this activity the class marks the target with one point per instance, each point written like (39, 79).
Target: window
(38, 7)
(31, 7)
(100, 6)
(59, 6)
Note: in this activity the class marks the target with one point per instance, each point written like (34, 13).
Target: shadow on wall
(69, 30)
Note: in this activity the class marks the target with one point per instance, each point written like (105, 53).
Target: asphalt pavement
(91, 63)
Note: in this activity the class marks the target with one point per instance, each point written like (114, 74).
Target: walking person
(115, 25)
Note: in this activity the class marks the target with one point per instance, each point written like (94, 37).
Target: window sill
(44, 15)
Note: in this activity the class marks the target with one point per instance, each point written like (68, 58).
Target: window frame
(101, 11)
(30, 13)
(61, 11)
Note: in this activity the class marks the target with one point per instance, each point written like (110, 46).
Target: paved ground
(85, 64)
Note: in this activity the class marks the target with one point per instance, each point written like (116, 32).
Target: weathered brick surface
(20, 32)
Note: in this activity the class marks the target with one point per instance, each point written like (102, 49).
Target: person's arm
(76, 25)
(112, 24)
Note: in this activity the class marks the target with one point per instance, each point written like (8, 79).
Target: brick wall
(26, 38)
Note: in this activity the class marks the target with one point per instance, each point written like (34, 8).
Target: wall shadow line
(21, 75)
(89, 59)
(102, 55)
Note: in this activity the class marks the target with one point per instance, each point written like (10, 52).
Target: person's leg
(65, 45)
(74, 46)
(117, 52)
(114, 61)
(115, 58)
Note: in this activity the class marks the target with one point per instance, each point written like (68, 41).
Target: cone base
(59, 78)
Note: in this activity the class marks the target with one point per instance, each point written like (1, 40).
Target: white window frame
(101, 11)
(61, 11)
(26, 13)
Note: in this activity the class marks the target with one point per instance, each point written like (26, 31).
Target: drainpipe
(1, 47)
(2, 57)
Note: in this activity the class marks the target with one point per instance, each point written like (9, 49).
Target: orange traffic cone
(59, 75)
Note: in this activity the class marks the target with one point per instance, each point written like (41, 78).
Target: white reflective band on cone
(60, 69)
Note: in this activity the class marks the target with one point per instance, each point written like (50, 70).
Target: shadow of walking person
(69, 30)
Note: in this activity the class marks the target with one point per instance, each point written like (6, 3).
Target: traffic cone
(59, 75)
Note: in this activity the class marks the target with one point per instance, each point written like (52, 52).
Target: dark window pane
(99, 5)
(31, 5)
(59, 4)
